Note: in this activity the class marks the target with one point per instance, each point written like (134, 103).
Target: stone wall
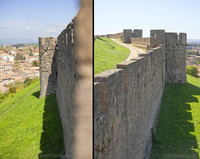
(141, 41)
(67, 78)
(127, 33)
(47, 49)
(137, 33)
(100, 36)
(126, 106)
(116, 36)
(66, 68)
(175, 50)
(84, 90)
(156, 37)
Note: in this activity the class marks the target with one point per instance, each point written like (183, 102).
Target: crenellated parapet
(137, 33)
(157, 37)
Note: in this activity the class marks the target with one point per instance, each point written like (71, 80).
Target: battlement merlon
(183, 38)
(175, 53)
(47, 43)
(157, 37)
(127, 34)
(174, 37)
(47, 49)
(137, 33)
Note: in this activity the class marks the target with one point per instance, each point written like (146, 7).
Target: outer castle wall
(126, 104)
(59, 75)
(127, 99)
(66, 66)
(67, 78)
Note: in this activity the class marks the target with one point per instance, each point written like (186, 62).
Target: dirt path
(134, 50)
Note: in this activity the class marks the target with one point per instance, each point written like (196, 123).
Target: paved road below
(134, 50)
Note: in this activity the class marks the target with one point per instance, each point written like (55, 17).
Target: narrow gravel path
(134, 50)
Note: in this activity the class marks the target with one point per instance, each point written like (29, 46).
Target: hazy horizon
(24, 21)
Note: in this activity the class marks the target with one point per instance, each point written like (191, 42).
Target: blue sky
(112, 16)
(26, 20)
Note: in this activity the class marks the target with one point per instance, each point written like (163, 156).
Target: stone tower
(47, 49)
(175, 52)
(127, 34)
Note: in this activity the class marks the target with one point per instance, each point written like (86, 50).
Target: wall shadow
(52, 140)
(173, 138)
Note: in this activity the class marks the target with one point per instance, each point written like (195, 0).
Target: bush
(198, 62)
(12, 90)
(35, 63)
(27, 81)
(192, 70)
(11, 95)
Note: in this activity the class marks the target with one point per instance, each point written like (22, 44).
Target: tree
(192, 70)
(31, 54)
(19, 57)
(12, 90)
(27, 81)
(35, 63)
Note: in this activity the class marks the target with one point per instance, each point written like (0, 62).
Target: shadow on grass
(173, 138)
(52, 140)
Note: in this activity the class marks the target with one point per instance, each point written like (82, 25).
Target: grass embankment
(178, 128)
(30, 126)
(107, 54)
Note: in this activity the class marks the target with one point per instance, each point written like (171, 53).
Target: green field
(178, 128)
(30, 126)
(107, 54)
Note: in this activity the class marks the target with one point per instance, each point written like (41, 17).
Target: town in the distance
(19, 65)
(193, 55)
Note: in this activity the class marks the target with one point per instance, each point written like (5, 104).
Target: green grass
(178, 128)
(30, 126)
(107, 54)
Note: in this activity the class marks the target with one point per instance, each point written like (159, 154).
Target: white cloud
(33, 22)
(57, 25)
(28, 29)
(12, 22)
(51, 30)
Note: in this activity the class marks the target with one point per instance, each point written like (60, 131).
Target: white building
(7, 57)
(32, 58)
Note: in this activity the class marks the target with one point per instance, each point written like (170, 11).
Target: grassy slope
(30, 126)
(178, 127)
(107, 54)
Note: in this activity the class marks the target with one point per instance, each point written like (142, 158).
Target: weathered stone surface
(137, 33)
(47, 49)
(127, 99)
(175, 50)
(127, 34)
(157, 37)
(133, 94)
(66, 68)
(116, 36)
(84, 89)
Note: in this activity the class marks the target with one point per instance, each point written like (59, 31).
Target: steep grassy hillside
(30, 127)
(178, 127)
(107, 54)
